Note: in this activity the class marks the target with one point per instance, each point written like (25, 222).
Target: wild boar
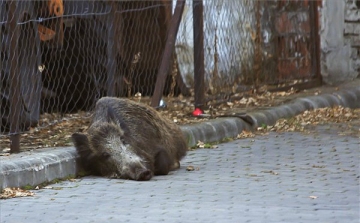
(129, 140)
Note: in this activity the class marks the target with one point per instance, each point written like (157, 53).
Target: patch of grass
(83, 173)
(227, 139)
(55, 181)
(27, 187)
(211, 145)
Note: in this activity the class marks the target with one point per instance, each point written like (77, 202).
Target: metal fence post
(315, 39)
(168, 53)
(111, 51)
(199, 70)
(15, 102)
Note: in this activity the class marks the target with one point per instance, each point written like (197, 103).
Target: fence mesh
(58, 57)
(228, 44)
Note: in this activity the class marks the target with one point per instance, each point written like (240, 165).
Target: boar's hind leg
(162, 163)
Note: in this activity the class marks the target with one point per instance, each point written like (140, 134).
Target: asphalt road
(280, 177)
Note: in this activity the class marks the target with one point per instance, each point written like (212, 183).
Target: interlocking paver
(281, 177)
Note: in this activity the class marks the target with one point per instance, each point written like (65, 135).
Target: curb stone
(44, 165)
(346, 98)
(214, 130)
(37, 167)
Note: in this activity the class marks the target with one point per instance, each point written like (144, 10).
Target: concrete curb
(218, 129)
(346, 98)
(36, 167)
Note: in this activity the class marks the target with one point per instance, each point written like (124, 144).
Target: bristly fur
(130, 140)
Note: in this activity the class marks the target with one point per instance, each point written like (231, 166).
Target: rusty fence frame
(14, 82)
(314, 6)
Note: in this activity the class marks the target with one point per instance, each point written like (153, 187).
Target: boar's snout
(143, 175)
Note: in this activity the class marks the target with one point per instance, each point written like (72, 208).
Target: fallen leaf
(245, 134)
(200, 144)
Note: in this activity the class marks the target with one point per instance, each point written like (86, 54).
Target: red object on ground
(197, 112)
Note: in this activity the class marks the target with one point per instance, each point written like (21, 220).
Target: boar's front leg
(162, 163)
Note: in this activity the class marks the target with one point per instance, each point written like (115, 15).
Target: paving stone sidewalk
(281, 177)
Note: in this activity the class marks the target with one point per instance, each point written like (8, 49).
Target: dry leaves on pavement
(15, 192)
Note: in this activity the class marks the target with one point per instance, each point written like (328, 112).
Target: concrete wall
(228, 45)
(340, 40)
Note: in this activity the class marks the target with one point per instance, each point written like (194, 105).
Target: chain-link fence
(58, 57)
(228, 44)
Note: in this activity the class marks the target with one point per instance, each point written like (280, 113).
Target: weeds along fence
(59, 57)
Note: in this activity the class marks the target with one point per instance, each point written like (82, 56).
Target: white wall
(227, 25)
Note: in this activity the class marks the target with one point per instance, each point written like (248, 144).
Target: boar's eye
(123, 141)
(105, 155)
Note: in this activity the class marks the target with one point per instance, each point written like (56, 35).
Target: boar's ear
(81, 144)
(112, 117)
